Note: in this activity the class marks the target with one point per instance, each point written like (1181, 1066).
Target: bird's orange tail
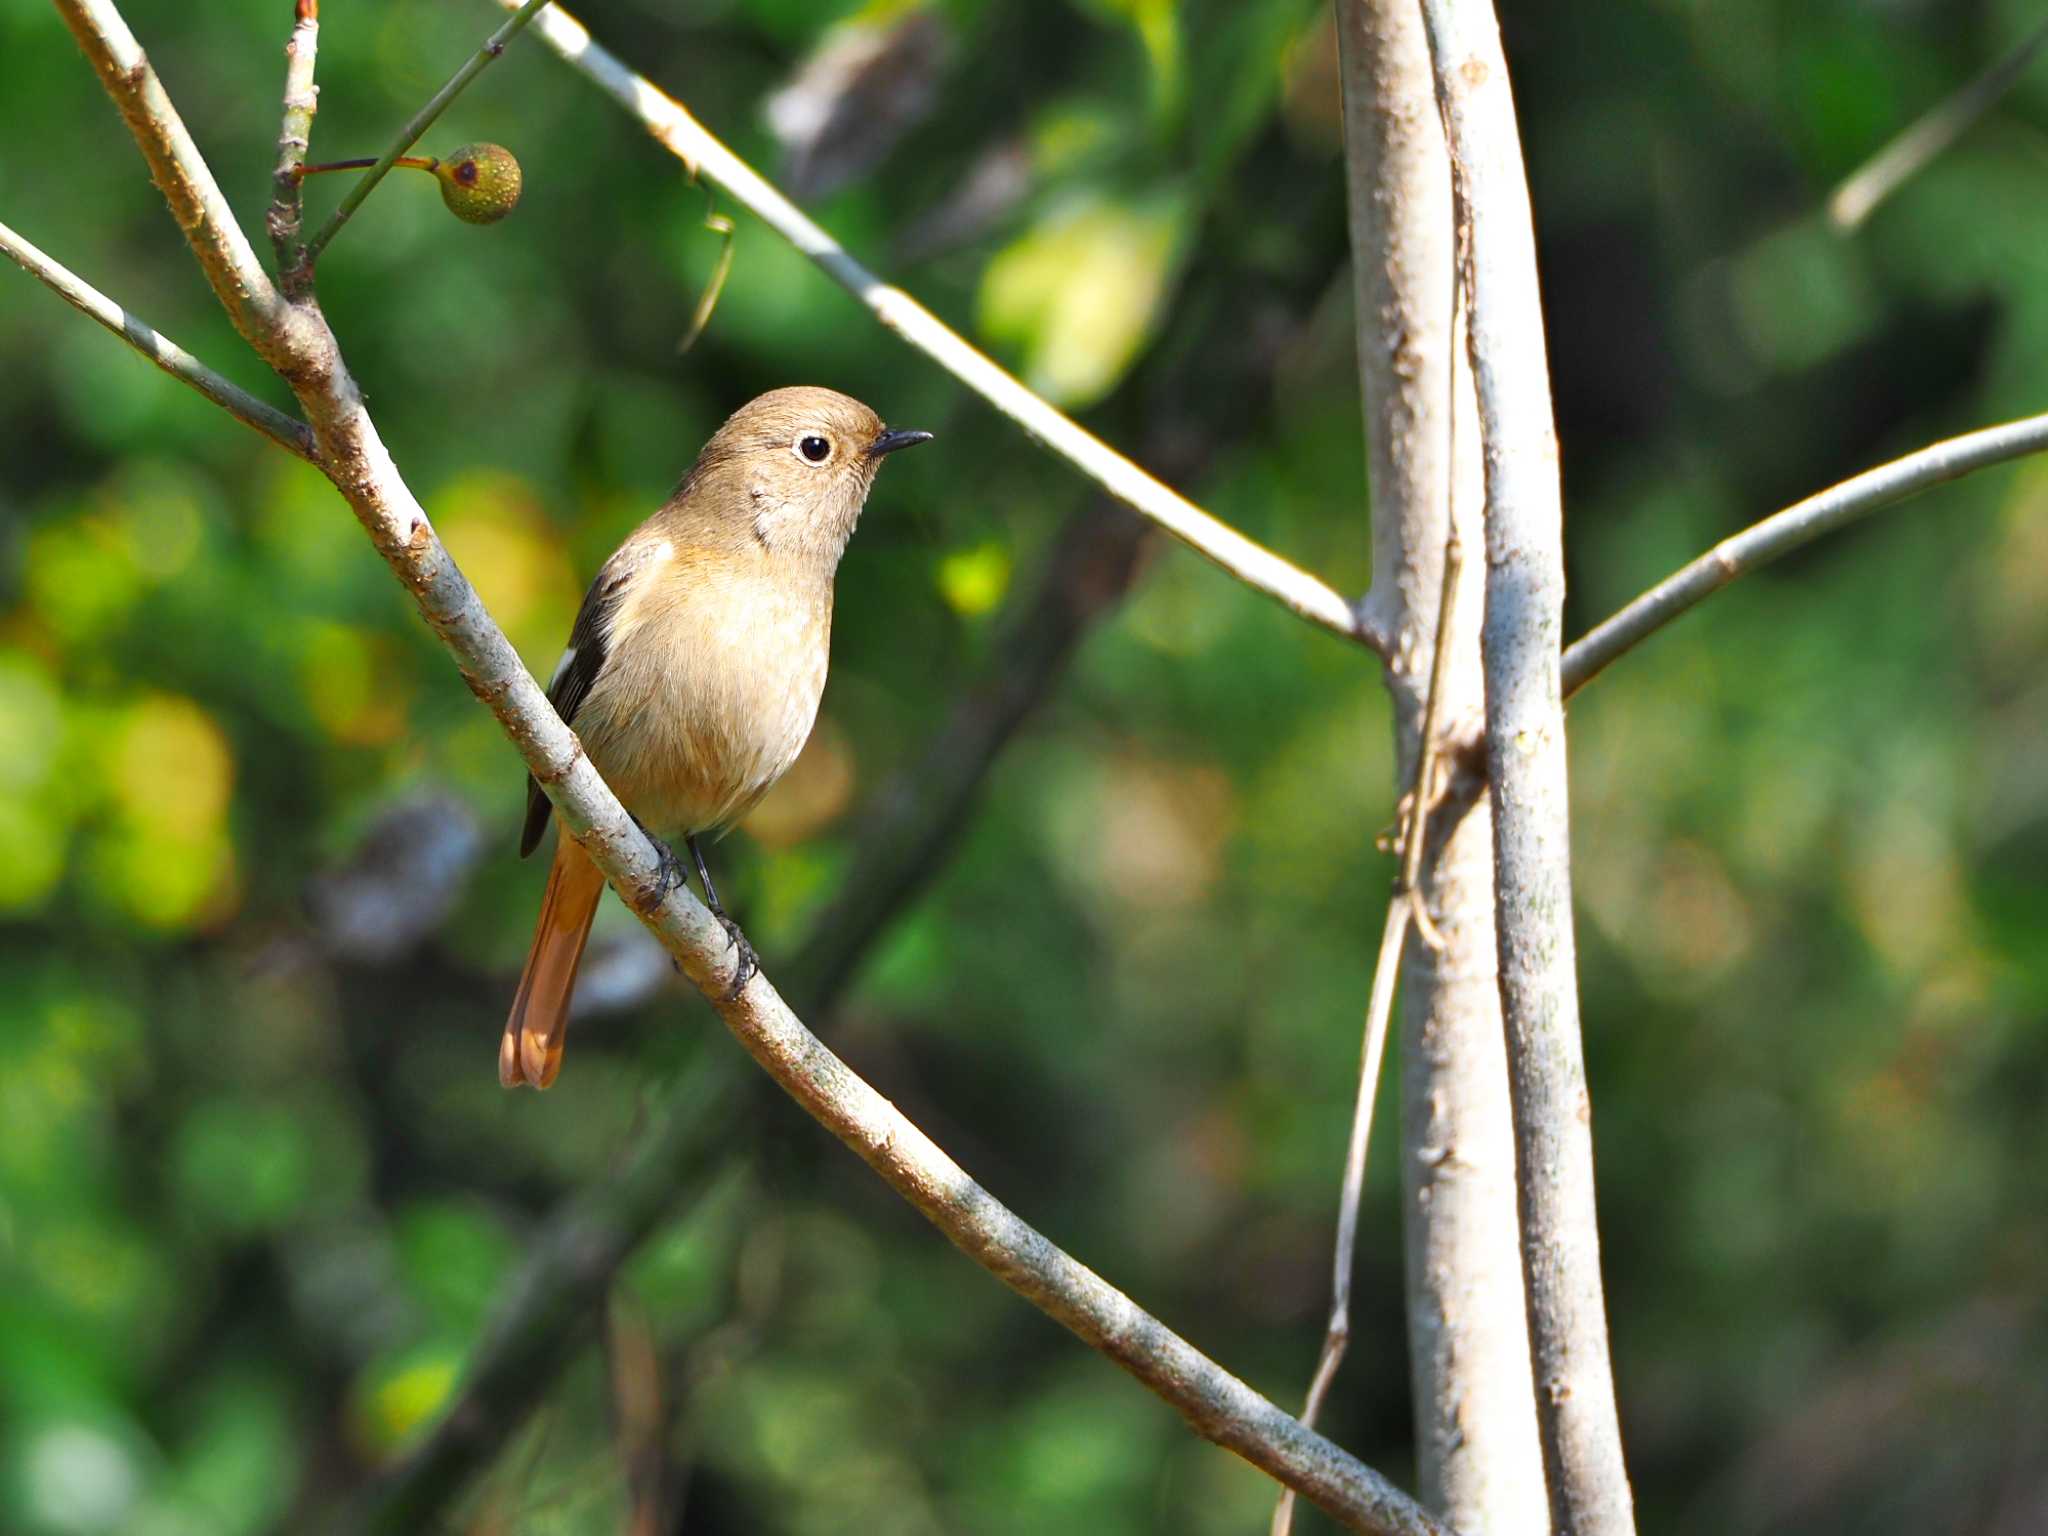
(531, 1051)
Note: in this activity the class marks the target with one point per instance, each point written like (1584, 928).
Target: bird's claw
(746, 964)
(673, 876)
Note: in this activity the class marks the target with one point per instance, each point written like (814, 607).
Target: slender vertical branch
(419, 123)
(1525, 754)
(1478, 1459)
(294, 138)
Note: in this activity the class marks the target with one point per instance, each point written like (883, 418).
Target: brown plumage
(695, 666)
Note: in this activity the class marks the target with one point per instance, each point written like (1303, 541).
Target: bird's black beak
(889, 442)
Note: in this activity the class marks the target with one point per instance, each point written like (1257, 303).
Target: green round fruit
(479, 182)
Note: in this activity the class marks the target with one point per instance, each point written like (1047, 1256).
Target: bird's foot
(673, 874)
(746, 964)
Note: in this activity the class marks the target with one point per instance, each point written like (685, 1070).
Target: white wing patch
(562, 669)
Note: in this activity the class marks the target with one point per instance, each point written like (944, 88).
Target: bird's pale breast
(710, 692)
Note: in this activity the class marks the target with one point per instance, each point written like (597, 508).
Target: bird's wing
(589, 649)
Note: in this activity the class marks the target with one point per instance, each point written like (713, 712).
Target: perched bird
(695, 666)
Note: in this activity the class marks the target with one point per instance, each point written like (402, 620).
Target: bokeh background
(260, 914)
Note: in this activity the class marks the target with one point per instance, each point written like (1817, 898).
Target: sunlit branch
(1781, 533)
(1405, 908)
(181, 365)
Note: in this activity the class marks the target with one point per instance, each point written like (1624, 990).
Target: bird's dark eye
(814, 448)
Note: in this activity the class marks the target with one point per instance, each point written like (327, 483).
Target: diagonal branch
(180, 172)
(181, 365)
(1912, 151)
(1526, 766)
(682, 135)
(1216, 1404)
(1781, 533)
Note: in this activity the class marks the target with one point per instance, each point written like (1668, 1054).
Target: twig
(1337, 1336)
(721, 225)
(523, 12)
(286, 431)
(1781, 533)
(1525, 753)
(1216, 1404)
(294, 137)
(683, 136)
(552, 1306)
(1910, 153)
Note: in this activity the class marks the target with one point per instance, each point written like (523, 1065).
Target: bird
(695, 666)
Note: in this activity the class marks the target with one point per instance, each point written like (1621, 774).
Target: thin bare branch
(181, 173)
(294, 137)
(1478, 1460)
(1337, 1333)
(1781, 533)
(523, 12)
(1525, 754)
(1912, 151)
(285, 431)
(1216, 1404)
(682, 135)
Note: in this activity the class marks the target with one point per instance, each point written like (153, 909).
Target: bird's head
(792, 468)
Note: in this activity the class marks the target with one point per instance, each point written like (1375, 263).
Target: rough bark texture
(1478, 1459)
(1525, 757)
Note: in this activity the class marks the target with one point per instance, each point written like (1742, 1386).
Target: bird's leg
(673, 876)
(747, 962)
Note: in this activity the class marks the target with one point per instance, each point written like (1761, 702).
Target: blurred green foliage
(258, 1188)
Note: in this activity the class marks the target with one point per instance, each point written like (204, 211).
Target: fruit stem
(414, 162)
